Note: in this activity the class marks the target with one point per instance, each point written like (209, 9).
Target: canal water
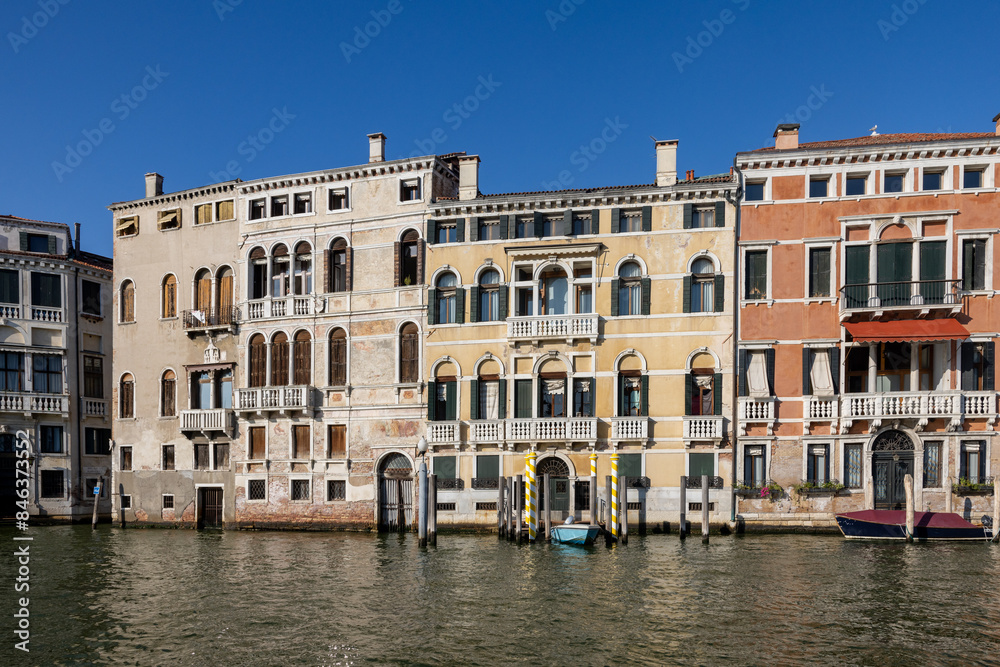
(177, 597)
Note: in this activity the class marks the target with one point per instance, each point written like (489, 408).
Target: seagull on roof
(874, 130)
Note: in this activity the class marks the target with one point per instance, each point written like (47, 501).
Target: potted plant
(970, 487)
(810, 488)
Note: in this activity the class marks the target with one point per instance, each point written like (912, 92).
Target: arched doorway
(892, 460)
(558, 473)
(395, 493)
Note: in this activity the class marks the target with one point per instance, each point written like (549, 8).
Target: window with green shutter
(522, 399)
(630, 465)
(974, 264)
(932, 271)
(701, 464)
(10, 291)
(819, 272)
(894, 272)
(856, 276)
(488, 466)
(444, 467)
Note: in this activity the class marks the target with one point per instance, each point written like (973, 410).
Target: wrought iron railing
(638, 482)
(454, 484)
(694, 482)
(486, 483)
(901, 294)
(212, 317)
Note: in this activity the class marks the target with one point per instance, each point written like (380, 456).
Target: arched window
(258, 361)
(703, 391)
(168, 394)
(203, 293)
(169, 297)
(339, 267)
(448, 300)
(258, 273)
(338, 358)
(702, 286)
(279, 360)
(224, 295)
(280, 271)
(630, 291)
(553, 292)
(302, 363)
(126, 397)
(128, 301)
(409, 259)
(633, 388)
(303, 269)
(409, 353)
(487, 297)
(224, 398)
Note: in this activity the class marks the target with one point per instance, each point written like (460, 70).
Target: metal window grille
(256, 489)
(336, 489)
(300, 489)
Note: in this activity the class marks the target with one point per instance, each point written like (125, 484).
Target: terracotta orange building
(867, 324)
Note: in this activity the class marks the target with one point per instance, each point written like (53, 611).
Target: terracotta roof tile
(884, 139)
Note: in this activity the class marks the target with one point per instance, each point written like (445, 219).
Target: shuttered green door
(522, 399)
(894, 269)
(701, 464)
(932, 258)
(856, 259)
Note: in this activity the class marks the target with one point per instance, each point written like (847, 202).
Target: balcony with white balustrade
(537, 328)
(704, 427)
(283, 307)
(95, 407)
(487, 431)
(290, 398)
(28, 403)
(756, 410)
(207, 421)
(922, 406)
(444, 433)
(552, 429)
(825, 409)
(10, 311)
(40, 314)
(629, 428)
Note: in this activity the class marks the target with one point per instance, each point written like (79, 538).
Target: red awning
(906, 330)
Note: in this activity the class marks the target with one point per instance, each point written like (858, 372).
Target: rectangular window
(488, 466)
(127, 226)
(38, 243)
(338, 199)
(225, 210)
(167, 460)
(972, 178)
(258, 209)
(819, 272)
(300, 442)
(583, 397)
(932, 180)
(447, 232)
(630, 465)
(893, 183)
(256, 489)
(445, 400)
(977, 366)
(10, 290)
(168, 501)
(701, 464)
(336, 489)
(337, 441)
(856, 185)
(582, 225)
(552, 399)
(974, 264)
(852, 466)
(300, 489)
(202, 214)
(857, 369)
(489, 399)
(582, 488)
(409, 190)
(445, 467)
(522, 399)
(51, 438)
(972, 466)
(91, 294)
(753, 466)
(893, 373)
(221, 456)
(93, 377)
(818, 186)
(46, 290)
(630, 222)
(202, 456)
(125, 458)
(756, 280)
(11, 376)
(279, 206)
(52, 484)
(932, 465)
(703, 217)
(818, 464)
(303, 203)
(489, 230)
(754, 191)
(97, 441)
(47, 373)
(257, 448)
(168, 219)
(126, 502)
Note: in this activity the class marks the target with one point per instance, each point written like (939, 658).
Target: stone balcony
(285, 306)
(95, 407)
(629, 428)
(198, 321)
(756, 410)
(549, 429)
(444, 433)
(10, 311)
(922, 406)
(273, 399)
(40, 314)
(33, 403)
(539, 328)
(207, 421)
(487, 431)
(704, 427)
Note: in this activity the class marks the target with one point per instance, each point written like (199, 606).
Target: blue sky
(103, 92)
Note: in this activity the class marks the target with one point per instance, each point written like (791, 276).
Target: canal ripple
(168, 597)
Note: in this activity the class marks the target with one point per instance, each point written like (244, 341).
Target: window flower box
(968, 487)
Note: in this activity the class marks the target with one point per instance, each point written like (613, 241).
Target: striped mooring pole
(531, 496)
(614, 495)
(593, 464)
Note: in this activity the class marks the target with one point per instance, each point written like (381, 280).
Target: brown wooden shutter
(395, 263)
(225, 294)
(204, 300)
(258, 363)
(300, 437)
(338, 441)
(421, 246)
(348, 269)
(257, 442)
(303, 360)
(327, 270)
(279, 363)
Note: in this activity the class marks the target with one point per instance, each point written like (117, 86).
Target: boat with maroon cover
(891, 525)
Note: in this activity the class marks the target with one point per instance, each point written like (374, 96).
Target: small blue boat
(582, 534)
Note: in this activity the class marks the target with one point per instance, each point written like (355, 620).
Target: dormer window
(279, 206)
(257, 209)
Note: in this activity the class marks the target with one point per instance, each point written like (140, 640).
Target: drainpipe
(736, 337)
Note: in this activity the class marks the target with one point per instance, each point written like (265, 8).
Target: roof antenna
(874, 130)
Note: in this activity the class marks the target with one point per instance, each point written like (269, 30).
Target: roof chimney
(996, 119)
(77, 227)
(666, 162)
(786, 136)
(376, 147)
(154, 185)
(468, 177)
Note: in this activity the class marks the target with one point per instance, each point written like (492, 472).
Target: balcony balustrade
(207, 420)
(756, 410)
(217, 318)
(483, 431)
(703, 428)
(10, 312)
(40, 314)
(28, 403)
(439, 433)
(922, 295)
(269, 399)
(553, 327)
(629, 428)
(574, 429)
(262, 309)
(95, 407)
